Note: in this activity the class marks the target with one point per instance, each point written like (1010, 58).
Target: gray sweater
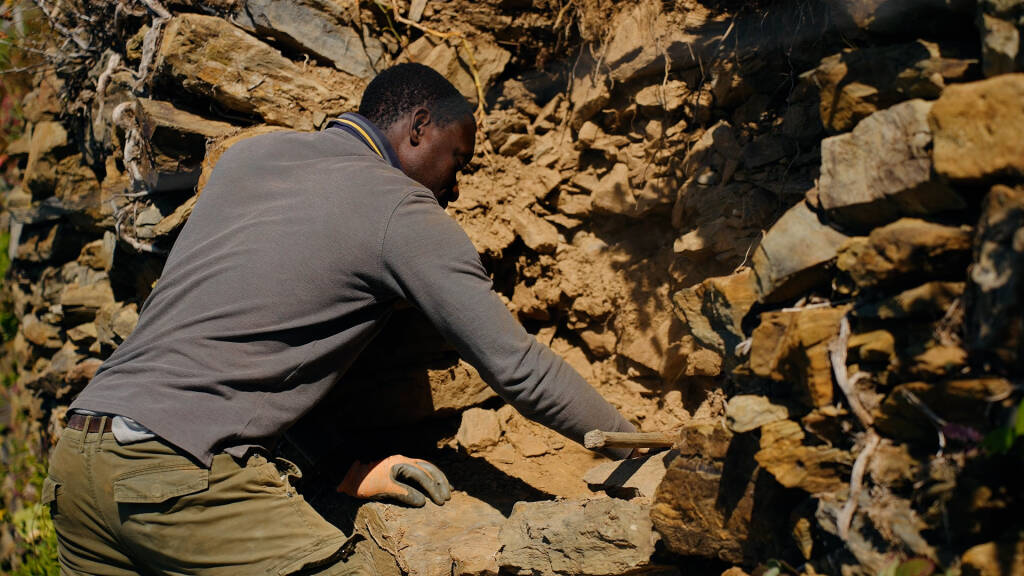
(291, 261)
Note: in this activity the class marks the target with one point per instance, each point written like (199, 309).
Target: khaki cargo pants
(144, 508)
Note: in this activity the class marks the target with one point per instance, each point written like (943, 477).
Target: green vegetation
(8, 321)
(34, 529)
(1002, 439)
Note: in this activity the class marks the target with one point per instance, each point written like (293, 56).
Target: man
(294, 256)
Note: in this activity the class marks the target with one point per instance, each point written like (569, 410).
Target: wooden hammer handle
(600, 439)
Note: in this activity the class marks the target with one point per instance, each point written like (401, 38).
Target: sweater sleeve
(427, 259)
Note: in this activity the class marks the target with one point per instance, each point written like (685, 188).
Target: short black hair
(404, 87)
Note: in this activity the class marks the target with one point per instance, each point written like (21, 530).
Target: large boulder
(882, 170)
(977, 128)
(995, 315)
(210, 58)
(715, 502)
(603, 537)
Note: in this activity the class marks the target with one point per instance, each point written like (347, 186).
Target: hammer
(600, 439)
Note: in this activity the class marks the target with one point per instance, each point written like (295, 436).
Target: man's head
(428, 123)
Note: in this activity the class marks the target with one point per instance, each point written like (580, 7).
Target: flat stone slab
(602, 537)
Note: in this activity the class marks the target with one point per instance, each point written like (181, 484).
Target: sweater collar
(369, 134)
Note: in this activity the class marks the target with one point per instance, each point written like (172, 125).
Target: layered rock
(883, 170)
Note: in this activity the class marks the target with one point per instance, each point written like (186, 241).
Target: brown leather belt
(77, 422)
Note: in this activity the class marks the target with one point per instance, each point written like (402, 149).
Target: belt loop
(85, 432)
(100, 432)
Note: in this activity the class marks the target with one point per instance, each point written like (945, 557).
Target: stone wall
(798, 218)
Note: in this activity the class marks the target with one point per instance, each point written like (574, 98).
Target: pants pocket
(156, 485)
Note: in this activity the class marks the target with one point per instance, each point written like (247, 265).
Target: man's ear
(420, 120)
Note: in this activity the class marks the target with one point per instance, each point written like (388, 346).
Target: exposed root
(137, 156)
(837, 355)
(856, 482)
(157, 8)
(935, 419)
(462, 41)
(61, 29)
(149, 49)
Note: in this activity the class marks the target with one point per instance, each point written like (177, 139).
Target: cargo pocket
(50, 489)
(157, 485)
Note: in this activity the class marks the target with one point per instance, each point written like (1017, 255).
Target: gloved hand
(397, 478)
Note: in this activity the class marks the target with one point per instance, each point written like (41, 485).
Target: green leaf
(1019, 424)
(916, 567)
(998, 441)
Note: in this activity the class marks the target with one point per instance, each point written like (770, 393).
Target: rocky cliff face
(788, 231)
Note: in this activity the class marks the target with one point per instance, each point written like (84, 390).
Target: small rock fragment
(538, 234)
(459, 538)
(479, 429)
(1005, 558)
(791, 258)
(613, 193)
(959, 401)
(714, 309)
(814, 469)
(1000, 44)
(745, 412)
(931, 300)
